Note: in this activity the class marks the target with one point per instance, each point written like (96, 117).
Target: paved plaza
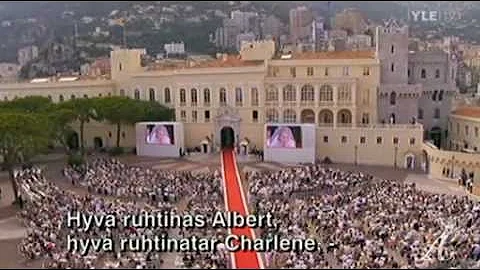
(11, 230)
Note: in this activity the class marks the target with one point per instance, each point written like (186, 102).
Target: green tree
(27, 104)
(84, 110)
(154, 111)
(119, 111)
(22, 136)
(61, 125)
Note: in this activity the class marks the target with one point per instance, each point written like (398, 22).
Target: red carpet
(235, 201)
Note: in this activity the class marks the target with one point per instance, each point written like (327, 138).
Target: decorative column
(335, 118)
(298, 95)
(335, 94)
(353, 96)
(280, 95)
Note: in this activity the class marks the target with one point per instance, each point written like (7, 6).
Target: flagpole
(124, 36)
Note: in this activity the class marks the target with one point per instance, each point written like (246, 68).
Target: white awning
(244, 142)
(205, 141)
(40, 80)
(68, 79)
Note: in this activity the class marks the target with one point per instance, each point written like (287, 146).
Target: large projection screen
(159, 139)
(289, 143)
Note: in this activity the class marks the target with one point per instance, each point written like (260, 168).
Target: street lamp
(356, 153)
(395, 158)
(453, 167)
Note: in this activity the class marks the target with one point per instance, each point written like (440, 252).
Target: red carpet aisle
(235, 201)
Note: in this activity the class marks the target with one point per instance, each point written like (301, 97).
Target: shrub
(116, 151)
(327, 160)
(75, 160)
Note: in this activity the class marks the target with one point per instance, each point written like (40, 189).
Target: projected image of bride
(283, 137)
(159, 134)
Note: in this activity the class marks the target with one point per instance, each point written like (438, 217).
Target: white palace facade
(336, 91)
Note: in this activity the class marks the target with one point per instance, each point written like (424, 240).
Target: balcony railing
(344, 102)
(325, 103)
(272, 103)
(382, 126)
(307, 103)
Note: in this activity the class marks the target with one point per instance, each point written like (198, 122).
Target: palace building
(346, 94)
(337, 91)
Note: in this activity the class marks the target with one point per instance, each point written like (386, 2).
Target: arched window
(307, 116)
(344, 117)
(151, 94)
(206, 97)
(183, 97)
(166, 95)
(193, 96)
(122, 92)
(72, 97)
(60, 98)
(326, 93)
(434, 96)
(272, 116)
(238, 96)
(289, 116)
(223, 97)
(254, 96)
(307, 93)
(423, 73)
(137, 94)
(393, 98)
(420, 114)
(85, 96)
(272, 94)
(289, 93)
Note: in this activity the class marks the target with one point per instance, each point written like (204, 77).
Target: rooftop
(334, 55)
(226, 61)
(54, 79)
(473, 112)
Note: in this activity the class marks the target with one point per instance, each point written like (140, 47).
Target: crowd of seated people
(115, 188)
(361, 221)
(364, 222)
